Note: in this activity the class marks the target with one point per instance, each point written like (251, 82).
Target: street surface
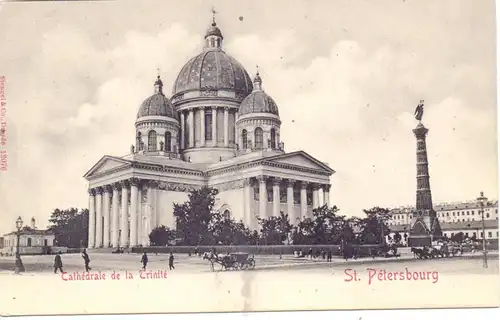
(275, 284)
(185, 264)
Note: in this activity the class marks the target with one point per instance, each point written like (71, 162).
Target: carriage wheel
(236, 266)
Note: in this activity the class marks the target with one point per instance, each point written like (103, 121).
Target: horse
(419, 253)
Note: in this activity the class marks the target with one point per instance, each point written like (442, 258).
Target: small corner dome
(258, 101)
(157, 104)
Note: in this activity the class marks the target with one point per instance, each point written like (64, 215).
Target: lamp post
(19, 263)
(482, 201)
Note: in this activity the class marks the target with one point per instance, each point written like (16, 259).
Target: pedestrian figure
(86, 259)
(58, 263)
(329, 256)
(144, 261)
(171, 261)
(310, 253)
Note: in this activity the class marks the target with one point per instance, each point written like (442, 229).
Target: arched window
(244, 139)
(168, 141)
(273, 138)
(138, 142)
(227, 214)
(259, 138)
(152, 140)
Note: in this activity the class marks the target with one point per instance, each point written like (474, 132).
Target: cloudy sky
(345, 74)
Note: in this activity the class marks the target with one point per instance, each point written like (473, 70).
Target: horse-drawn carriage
(440, 250)
(231, 261)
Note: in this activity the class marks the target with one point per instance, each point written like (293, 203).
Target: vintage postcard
(212, 156)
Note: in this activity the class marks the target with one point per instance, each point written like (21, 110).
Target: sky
(346, 76)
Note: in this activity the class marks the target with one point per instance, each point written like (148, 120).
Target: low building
(31, 240)
(454, 217)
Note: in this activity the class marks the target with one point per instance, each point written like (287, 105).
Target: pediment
(106, 163)
(301, 159)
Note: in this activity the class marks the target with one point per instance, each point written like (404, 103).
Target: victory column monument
(425, 226)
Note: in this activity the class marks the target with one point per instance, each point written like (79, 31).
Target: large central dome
(213, 69)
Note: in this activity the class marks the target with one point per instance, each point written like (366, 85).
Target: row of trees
(198, 223)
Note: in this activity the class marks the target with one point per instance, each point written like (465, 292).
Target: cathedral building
(218, 129)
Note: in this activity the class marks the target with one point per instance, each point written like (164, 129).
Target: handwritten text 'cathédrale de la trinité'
(114, 275)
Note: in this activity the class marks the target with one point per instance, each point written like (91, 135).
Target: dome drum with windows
(157, 125)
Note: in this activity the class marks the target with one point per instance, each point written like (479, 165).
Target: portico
(123, 210)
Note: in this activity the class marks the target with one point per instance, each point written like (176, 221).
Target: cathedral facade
(218, 129)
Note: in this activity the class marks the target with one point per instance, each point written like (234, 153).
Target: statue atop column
(419, 111)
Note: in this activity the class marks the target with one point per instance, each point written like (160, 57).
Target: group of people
(58, 264)
(144, 261)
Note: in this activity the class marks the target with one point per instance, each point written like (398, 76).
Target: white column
(91, 240)
(315, 196)
(98, 224)
(303, 200)
(247, 200)
(114, 215)
(236, 133)
(202, 126)
(276, 196)
(191, 128)
(124, 221)
(183, 130)
(105, 212)
(214, 126)
(289, 201)
(262, 197)
(134, 183)
(226, 126)
(149, 213)
(326, 194)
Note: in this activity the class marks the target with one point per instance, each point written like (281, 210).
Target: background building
(31, 240)
(454, 217)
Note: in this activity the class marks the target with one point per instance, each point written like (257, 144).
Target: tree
(70, 227)
(325, 227)
(161, 236)
(275, 230)
(194, 216)
(226, 231)
(374, 227)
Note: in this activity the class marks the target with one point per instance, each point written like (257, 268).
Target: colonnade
(116, 218)
(189, 134)
(263, 186)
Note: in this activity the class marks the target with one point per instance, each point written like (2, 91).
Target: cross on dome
(257, 81)
(158, 83)
(213, 16)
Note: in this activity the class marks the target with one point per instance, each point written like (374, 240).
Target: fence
(269, 249)
(362, 250)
